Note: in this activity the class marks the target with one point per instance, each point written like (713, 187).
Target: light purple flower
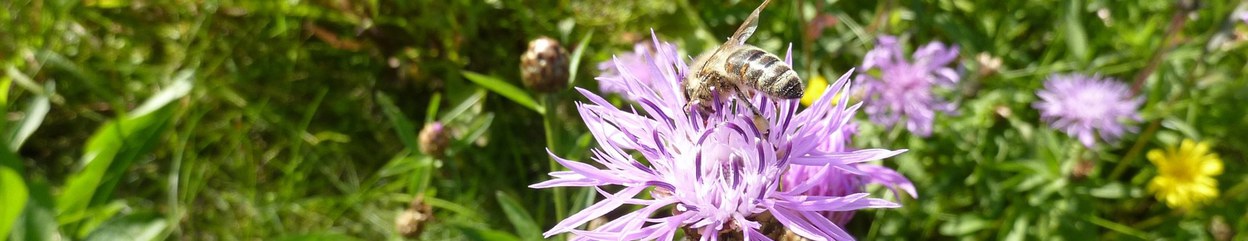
(717, 172)
(835, 182)
(1242, 14)
(904, 88)
(637, 62)
(1080, 105)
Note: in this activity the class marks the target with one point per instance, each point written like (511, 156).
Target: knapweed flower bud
(1220, 229)
(412, 220)
(544, 67)
(988, 64)
(1082, 169)
(434, 139)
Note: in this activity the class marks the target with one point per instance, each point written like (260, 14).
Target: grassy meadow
(315, 119)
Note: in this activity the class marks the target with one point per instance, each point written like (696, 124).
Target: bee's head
(698, 94)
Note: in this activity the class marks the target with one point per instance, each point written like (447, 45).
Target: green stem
(1176, 23)
(894, 132)
(874, 231)
(1117, 227)
(1154, 220)
(880, 20)
(1236, 190)
(1134, 153)
(552, 142)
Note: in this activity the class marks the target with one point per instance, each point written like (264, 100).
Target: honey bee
(736, 66)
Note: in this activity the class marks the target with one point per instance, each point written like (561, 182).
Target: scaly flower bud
(544, 67)
(434, 139)
(409, 223)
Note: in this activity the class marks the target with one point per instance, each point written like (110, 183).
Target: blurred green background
(299, 120)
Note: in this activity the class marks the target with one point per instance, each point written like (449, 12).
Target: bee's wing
(747, 28)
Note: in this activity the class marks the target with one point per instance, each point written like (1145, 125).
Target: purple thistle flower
(637, 62)
(1079, 105)
(835, 182)
(904, 89)
(718, 173)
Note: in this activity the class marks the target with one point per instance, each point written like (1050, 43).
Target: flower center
(1087, 105)
(1181, 169)
(907, 78)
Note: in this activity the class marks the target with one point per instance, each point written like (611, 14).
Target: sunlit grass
(263, 120)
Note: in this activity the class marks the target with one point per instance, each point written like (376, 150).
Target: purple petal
(858, 156)
(888, 177)
(593, 211)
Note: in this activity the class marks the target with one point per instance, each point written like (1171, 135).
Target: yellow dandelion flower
(814, 90)
(1185, 176)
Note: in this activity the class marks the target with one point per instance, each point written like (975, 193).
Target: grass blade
(14, 199)
(463, 106)
(37, 221)
(431, 112)
(180, 87)
(1076, 37)
(520, 219)
(117, 144)
(479, 233)
(317, 237)
(576, 58)
(1117, 227)
(509, 91)
(139, 227)
(402, 126)
(35, 112)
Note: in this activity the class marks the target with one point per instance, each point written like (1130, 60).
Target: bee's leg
(741, 96)
(760, 122)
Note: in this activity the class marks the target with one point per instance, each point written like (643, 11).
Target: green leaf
(14, 199)
(520, 219)
(1182, 126)
(145, 226)
(1117, 227)
(451, 206)
(463, 106)
(402, 126)
(963, 225)
(506, 90)
(483, 234)
(479, 127)
(1019, 231)
(107, 3)
(400, 164)
(1076, 36)
(35, 112)
(93, 217)
(431, 112)
(181, 85)
(1115, 190)
(420, 178)
(23, 81)
(576, 58)
(5, 84)
(37, 222)
(114, 147)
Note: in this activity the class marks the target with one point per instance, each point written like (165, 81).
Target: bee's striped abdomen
(764, 72)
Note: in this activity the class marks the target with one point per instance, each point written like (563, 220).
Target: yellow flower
(814, 90)
(1185, 176)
